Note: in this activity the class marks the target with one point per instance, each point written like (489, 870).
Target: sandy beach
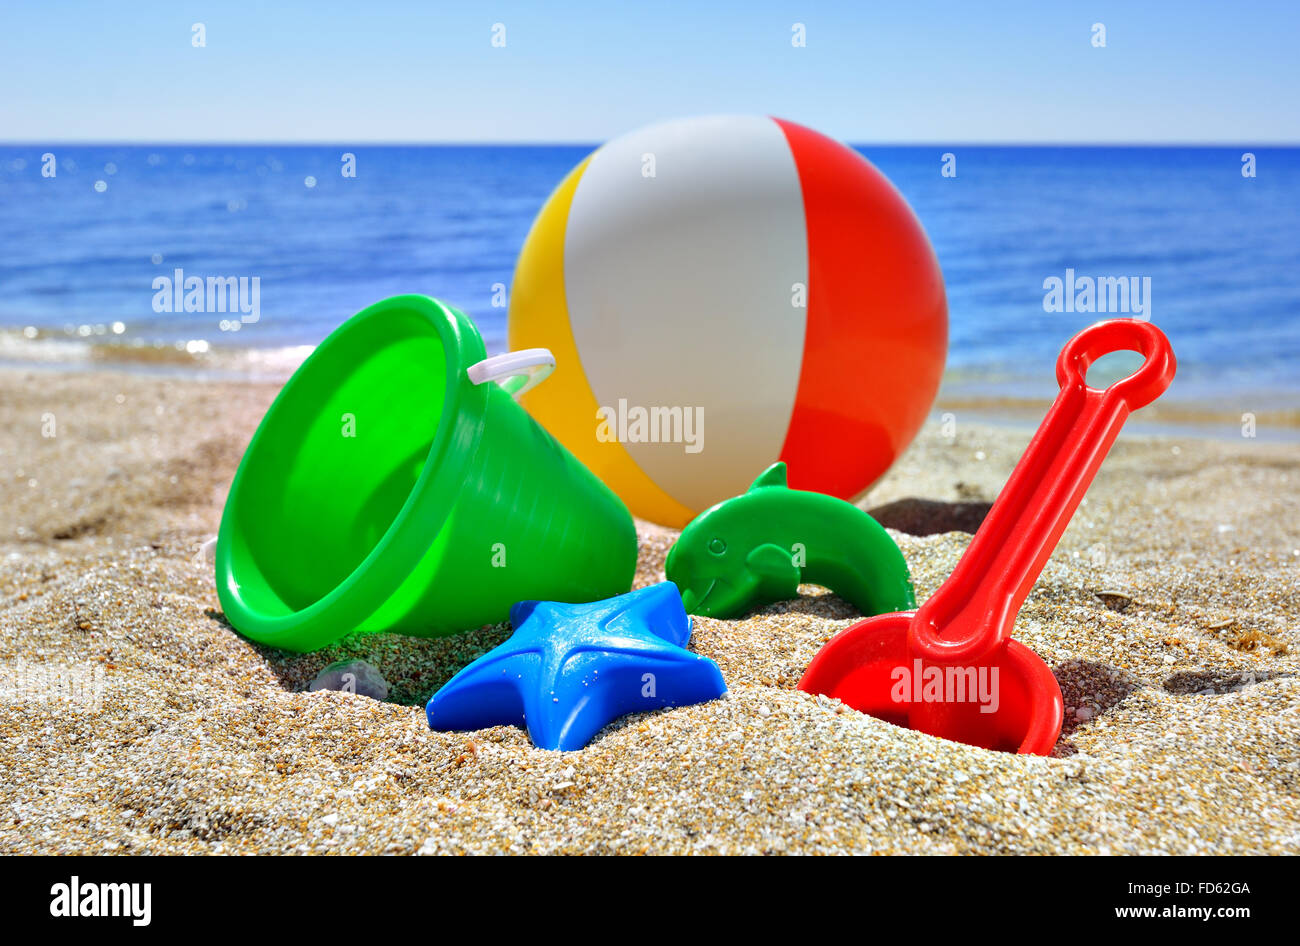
(179, 736)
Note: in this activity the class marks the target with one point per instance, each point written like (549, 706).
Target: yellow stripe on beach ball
(564, 404)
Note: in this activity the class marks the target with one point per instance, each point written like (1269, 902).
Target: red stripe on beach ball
(877, 325)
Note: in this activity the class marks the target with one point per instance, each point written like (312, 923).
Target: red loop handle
(975, 609)
(1138, 389)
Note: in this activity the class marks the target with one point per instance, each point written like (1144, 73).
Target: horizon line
(575, 143)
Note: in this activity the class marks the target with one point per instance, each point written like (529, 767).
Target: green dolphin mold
(758, 547)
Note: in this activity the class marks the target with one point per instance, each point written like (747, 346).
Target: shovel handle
(975, 609)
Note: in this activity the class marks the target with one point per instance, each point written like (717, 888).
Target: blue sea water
(1222, 251)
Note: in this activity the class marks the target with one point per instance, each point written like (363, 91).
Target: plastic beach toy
(950, 668)
(568, 670)
(730, 291)
(758, 547)
(392, 486)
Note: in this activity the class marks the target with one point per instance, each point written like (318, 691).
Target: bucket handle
(515, 371)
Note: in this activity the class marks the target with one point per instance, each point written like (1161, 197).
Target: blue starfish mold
(569, 669)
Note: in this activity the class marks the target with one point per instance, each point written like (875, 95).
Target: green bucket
(393, 487)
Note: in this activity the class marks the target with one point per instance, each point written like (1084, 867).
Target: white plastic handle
(515, 371)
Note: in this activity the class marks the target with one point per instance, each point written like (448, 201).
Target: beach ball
(721, 293)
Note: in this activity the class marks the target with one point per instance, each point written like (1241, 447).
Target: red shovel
(950, 668)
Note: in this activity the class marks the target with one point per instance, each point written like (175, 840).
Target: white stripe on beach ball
(659, 272)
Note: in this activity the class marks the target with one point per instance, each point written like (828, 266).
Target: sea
(1207, 238)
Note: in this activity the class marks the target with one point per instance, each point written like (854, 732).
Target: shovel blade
(1011, 702)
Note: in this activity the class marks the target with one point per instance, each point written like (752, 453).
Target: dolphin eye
(717, 546)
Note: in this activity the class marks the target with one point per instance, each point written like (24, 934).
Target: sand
(134, 719)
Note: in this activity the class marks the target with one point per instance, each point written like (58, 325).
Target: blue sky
(585, 71)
